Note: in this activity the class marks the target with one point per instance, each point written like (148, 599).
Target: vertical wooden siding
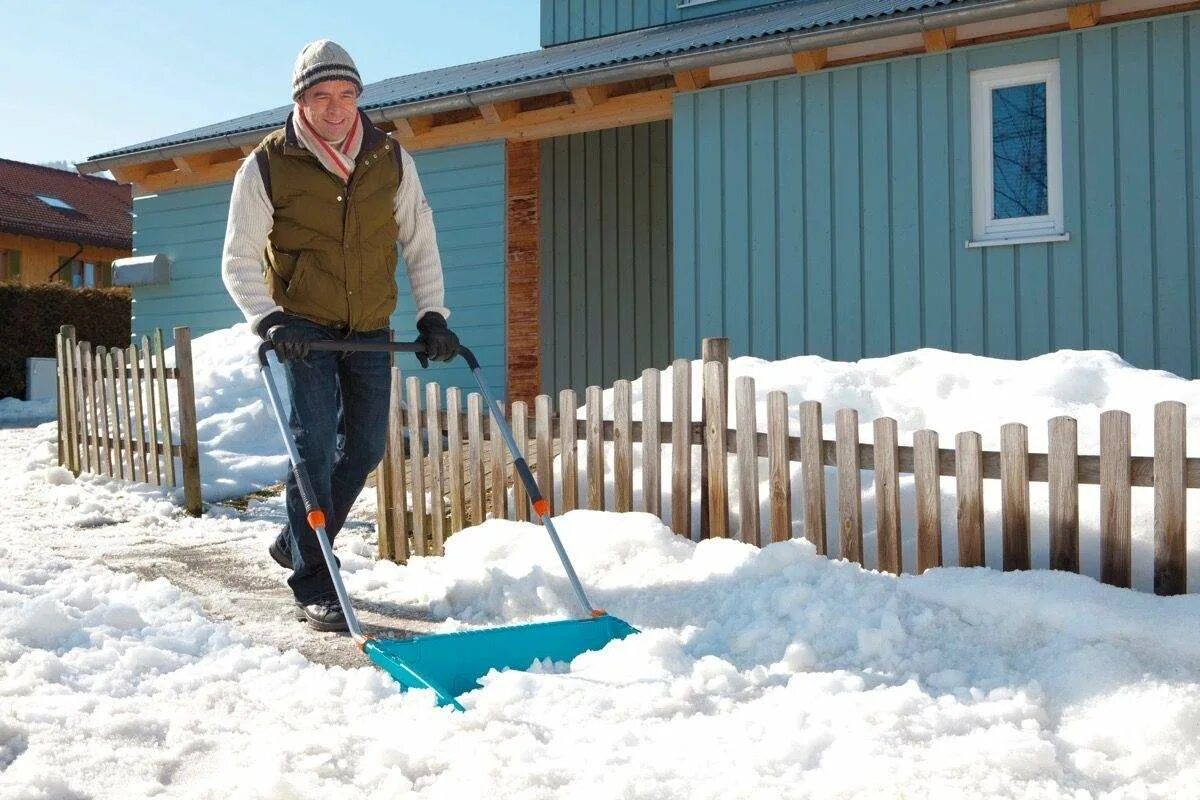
(465, 187)
(606, 255)
(828, 213)
(571, 20)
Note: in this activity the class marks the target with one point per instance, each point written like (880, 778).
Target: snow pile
(14, 411)
(759, 673)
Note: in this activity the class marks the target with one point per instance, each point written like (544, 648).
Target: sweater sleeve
(418, 241)
(246, 236)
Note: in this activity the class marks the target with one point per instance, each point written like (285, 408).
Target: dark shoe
(323, 615)
(282, 557)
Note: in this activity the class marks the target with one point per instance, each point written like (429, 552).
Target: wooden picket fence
(468, 482)
(114, 412)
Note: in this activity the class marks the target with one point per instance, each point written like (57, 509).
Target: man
(310, 254)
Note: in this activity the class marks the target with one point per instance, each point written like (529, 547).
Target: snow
(758, 673)
(26, 412)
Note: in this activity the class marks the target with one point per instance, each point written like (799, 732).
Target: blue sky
(86, 77)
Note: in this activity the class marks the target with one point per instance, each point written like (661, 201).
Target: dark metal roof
(578, 57)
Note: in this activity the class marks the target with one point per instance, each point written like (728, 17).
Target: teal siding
(572, 20)
(605, 255)
(840, 229)
(465, 187)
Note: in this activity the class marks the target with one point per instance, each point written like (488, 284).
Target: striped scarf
(337, 157)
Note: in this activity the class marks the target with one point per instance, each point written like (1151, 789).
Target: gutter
(775, 45)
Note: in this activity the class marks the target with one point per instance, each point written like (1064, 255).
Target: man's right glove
(441, 344)
(287, 334)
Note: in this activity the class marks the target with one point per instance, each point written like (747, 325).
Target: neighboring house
(61, 226)
(847, 178)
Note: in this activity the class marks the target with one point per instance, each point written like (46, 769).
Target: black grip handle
(393, 347)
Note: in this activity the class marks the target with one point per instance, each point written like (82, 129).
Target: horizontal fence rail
(114, 412)
(457, 473)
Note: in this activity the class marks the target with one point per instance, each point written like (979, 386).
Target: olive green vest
(332, 252)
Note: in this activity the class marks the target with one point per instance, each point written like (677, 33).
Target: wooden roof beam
(689, 80)
(810, 60)
(586, 97)
(1083, 16)
(499, 112)
(411, 127)
(939, 39)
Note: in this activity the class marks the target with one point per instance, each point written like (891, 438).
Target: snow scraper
(451, 663)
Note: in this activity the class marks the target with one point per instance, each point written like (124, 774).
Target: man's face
(330, 107)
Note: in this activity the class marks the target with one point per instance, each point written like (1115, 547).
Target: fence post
(849, 486)
(651, 440)
(715, 440)
(747, 460)
(712, 349)
(927, 477)
(1115, 498)
(1170, 498)
(968, 475)
(60, 364)
(1014, 490)
(681, 447)
(887, 496)
(1062, 461)
(623, 445)
(189, 448)
(164, 407)
(812, 467)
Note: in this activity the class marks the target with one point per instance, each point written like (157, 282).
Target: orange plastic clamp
(316, 519)
(542, 507)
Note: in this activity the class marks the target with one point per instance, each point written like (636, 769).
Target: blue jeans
(339, 416)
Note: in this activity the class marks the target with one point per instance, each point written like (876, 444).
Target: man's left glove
(288, 334)
(441, 344)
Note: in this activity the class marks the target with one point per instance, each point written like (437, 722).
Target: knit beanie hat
(322, 60)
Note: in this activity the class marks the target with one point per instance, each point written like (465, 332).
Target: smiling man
(317, 212)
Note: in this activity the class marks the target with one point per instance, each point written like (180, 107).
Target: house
(61, 226)
(847, 178)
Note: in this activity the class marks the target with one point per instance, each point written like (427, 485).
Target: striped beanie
(322, 60)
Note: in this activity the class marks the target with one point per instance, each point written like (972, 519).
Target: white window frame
(987, 230)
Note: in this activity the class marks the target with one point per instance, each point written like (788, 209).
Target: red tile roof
(101, 214)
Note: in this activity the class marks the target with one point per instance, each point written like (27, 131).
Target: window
(54, 202)
(85, 274)
(10, 266)
(1016, 154)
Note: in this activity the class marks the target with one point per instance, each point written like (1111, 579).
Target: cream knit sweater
(250, 218)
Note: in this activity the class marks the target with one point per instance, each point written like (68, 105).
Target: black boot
(282, 554)
(322, 615)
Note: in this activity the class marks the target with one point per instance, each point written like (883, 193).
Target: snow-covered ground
(138, 657)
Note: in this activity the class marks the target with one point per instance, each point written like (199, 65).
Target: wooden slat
(392, 491)
(60, 369)
(520, 414)
(475, 447)
(82, 390)
(1014, 491)
(812, 468)
(116, 451)
(102, 427)
(778, 466)
(454, 477)
(681, 447)
(151, 411)
(189, 445)
(139, 413)
(164, 407)
(929, 500)
(544, 434)
(651, 442)
(1062, 460)
(887, 495)
(568, 451)
(498, 453)
(125, 447)
(1115, 499)
(72, 405)
(416, 464)
(437, 495)
(715, 427)
(1170, 498)
(623, 445)
(849, 486)
(595, 446)
(713, 349)
(746, 424)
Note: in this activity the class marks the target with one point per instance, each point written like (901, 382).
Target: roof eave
(778, 44)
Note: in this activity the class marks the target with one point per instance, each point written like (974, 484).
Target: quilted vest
(332, 252)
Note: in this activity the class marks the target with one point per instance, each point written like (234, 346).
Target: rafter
(939, 39)
(1083, 16)
(810, 60)
(586, 97)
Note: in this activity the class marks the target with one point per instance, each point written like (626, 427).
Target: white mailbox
(142, 270)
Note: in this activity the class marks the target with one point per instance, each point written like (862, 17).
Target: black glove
(441, 344)
(287, 334)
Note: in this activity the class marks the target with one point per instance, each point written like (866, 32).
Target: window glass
(1019, 179)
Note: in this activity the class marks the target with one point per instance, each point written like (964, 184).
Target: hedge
(30, 317)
